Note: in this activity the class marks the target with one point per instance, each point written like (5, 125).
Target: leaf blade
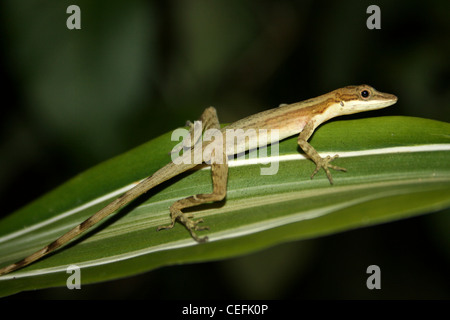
(260, 211)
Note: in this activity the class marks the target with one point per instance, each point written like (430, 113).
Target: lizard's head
(353, 99)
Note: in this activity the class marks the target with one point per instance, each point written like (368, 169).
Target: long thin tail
(167, 172)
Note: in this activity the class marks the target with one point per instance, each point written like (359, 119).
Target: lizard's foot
(325, 164)
(187, 220)
(192, 226)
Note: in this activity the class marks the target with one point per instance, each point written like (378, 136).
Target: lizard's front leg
(314, 155)
(219, 173)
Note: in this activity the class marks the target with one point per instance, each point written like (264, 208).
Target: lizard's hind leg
(219, 176)
(207, 120)
(219, 173)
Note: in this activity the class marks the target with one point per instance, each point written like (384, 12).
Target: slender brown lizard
(298, 118)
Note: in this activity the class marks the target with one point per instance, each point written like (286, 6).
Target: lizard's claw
(187, 220)
(325, 164)
(192, 225)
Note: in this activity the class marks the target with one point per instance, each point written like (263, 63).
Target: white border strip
(345, 154)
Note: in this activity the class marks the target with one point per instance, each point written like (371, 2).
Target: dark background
(137, 69)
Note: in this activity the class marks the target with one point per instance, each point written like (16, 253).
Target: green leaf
(398, 167)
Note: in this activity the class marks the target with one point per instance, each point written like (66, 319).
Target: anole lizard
(289, 119)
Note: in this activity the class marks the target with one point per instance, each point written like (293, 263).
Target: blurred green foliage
(137, 69)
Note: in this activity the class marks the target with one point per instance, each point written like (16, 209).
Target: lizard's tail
(167, 172)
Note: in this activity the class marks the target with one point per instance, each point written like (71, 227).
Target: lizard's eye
(365, 94)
